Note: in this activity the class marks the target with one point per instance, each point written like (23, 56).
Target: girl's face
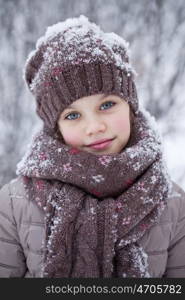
(98, 119)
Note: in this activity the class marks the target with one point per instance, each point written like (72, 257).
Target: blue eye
(107, 104)
(72, 114)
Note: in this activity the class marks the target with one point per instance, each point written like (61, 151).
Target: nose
(94, 126)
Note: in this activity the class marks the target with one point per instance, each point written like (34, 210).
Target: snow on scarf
(97, 206)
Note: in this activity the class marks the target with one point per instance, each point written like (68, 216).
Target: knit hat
(75, 59)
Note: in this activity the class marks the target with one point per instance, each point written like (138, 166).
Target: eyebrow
(70, 106)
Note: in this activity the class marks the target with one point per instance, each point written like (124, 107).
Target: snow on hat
(74, 59)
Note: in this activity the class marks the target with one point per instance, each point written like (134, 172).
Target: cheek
(122, 125)
(71, 137)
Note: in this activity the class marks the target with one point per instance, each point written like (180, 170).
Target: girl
(92, 197)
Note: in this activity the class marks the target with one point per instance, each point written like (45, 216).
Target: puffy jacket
(22, 232)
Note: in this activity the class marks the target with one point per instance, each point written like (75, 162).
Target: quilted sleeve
(176, 251)
(12, 260)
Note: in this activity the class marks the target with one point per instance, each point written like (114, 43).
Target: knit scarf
(97, 207)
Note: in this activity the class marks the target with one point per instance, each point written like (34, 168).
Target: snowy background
(155, 30)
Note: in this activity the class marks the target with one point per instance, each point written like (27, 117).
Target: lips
(99, 142)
